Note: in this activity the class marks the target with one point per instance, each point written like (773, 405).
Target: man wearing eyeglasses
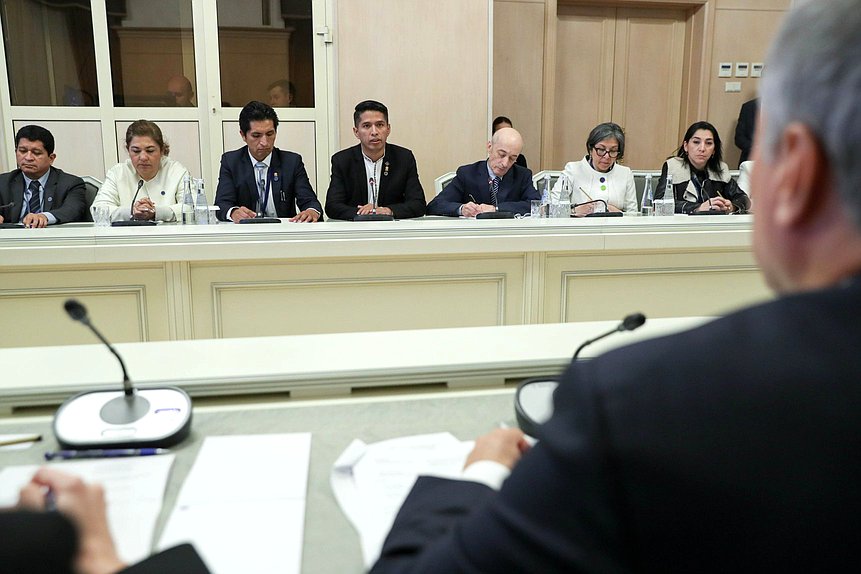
(494, 184)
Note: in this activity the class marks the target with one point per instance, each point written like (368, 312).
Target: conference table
(369, 413)
(175, 282)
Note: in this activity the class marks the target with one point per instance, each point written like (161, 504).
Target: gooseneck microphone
(533, 402)
(629, 323)
(131, 418)
(134, 199)
(132, 222)
(79, 313)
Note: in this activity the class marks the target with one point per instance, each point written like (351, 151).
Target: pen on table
(20, 439)
(103, 453)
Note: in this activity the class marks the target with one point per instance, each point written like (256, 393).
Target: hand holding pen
(84, 504)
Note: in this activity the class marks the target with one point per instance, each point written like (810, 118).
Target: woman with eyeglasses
(701, 180)
(598, 178)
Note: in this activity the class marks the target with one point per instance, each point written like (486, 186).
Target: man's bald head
(180, 88)
(503, 149)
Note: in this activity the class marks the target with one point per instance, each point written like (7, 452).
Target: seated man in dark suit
(74, 537)
(741, 455)
(494, 184)
(260, 180)
(374, 176)
(37, 194)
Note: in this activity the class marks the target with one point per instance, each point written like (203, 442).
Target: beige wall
(742, 33)
(428, 62)
(732, 31)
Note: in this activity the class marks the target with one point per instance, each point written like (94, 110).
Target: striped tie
(494, 189)
(35, 204)
(261, 186)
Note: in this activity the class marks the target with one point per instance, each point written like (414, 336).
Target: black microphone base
(495, 215)
(533, 403)
(373, 217)
(156, 418)
(11, 225)
(605, 214)
(133, 223)
(709, 212)
(260, 220)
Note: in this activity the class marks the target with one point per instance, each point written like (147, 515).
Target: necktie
(35, 205)
(261, 186)
(494, 189)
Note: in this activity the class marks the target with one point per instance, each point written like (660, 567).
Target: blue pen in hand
(103, 453)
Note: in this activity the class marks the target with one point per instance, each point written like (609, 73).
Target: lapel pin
(275, 177)
(386, 168)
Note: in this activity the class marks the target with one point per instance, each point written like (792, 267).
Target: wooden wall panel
(647, 86)
(429, 63)
(74, 142)
(585, 39)
(740, 36)
(518, 33)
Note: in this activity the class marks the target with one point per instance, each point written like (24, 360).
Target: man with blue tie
(260, 180)
(37, 194)
(494, 184)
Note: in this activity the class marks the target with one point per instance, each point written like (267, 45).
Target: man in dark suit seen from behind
(494, 184)
(37, 194)
(739, 455)
(374, 176)
(260, 179)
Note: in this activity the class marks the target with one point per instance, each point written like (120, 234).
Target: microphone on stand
(373, 216)
(133, 222)
(605, 213)
(533, 402)
(131, 418)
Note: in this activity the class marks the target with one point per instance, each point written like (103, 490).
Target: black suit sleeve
(557, 512)
(338, 197)
(744, 128)
(305, 196)
(414, 203)
(74, 200)
(226, 195)
(182, 559)
(450, 199)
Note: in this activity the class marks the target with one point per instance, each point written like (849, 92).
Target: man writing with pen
(494, 184)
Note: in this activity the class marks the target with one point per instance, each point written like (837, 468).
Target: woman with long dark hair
(701, 180)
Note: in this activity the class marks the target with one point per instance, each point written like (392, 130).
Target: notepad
(371, 482)
(243, 503)
(134, 490)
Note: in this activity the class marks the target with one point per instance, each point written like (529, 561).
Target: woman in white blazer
(598, 176)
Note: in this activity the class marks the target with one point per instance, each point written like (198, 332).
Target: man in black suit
(374, 176)
(37, 194)
(260, 180)
(745, 128)
(732, 447)
(74, 537)
(494, 184)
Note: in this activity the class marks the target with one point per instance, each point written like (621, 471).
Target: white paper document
(134, 490)
(243, 503)
(370, 482)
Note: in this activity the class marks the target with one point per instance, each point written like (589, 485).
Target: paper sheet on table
(134, 490)
(243, 503)
(371, 481)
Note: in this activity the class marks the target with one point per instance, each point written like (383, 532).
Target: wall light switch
(725, 70)
(741, 69)
(732, 87)
(756, 69)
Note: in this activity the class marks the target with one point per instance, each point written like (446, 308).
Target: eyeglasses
(613, 153)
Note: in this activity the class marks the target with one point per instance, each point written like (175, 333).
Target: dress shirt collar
(267, 160)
